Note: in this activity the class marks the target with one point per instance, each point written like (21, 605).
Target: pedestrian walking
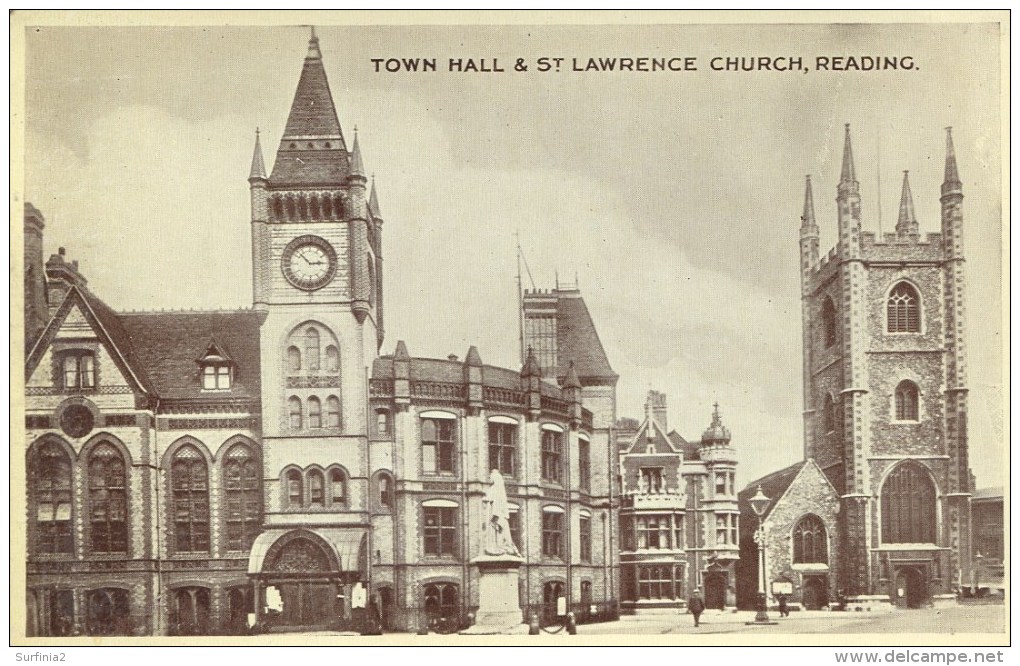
(784, 610)
(696, 606)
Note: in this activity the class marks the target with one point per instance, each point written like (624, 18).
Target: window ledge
(908, 422)
(810, 566)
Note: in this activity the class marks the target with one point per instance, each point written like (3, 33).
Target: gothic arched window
(50, 483)
(294, 409)
(332, 412)
(293, 359)
(828, 414)
(903, 309)
(107, 481)
(312, 349)
(190, 482)
(241, 472)
(316, 488)
(337, 487)
(332, 359)
(908, 506)
(907, 401)
(314, 412)
(295, 489)
(828, 322)
(809, 541)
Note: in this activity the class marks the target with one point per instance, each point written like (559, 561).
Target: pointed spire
(571, 381)
(373, 201)
(357, 167)
(401, 352)
(473, 358)
(807, 220)
(312, 114)
(951, 183)
(531, 367)
(907, 221)
(848, 174)
(258, 166)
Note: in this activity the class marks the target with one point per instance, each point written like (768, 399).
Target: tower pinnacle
(313, 46)
(807, 219)
(907, 222)
(357, 167)
(951, 182)
(373, 200)
(258, 165)
(848, 175)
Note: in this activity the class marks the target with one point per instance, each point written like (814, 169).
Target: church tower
(316, 270)
(885, 392)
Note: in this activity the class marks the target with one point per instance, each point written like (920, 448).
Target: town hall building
(275, 468)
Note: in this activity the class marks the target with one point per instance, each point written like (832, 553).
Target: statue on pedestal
(498, 540)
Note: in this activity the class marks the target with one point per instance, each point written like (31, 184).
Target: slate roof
(690, 450)
(309, 167)
(452, 372)
(662, 444)
(988, 494)
(774, 486)
(312, 112)
(168, 346)
(578, 341)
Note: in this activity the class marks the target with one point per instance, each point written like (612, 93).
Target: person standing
(784, 610)
(696, 606)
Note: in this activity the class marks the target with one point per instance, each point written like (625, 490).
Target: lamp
(759, 504)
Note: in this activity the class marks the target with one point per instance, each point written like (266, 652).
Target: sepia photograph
(506, 328)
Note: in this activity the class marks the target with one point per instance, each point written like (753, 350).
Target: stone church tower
(885, 397)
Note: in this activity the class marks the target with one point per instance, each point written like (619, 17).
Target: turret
(906, 223)
(808, 234)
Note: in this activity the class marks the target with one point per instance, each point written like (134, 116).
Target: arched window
(108, 613)
(503, 447)
(312, 349)
(189, 614)
(552, 456)
(337, 487)
(442, 602)
(302, 208)
(440, 528)
(552, 532)
(903, 311)
(277, 208)
(908, 506)
(314, 207)
(291, 209)
(828, 414)
(384, 491)
(294, 406)
(293, 359)
(809, 541)
(295, 490)
(107, 499)
(190, 482)
(437, 444)
(333, 412)
(332, 359)
(338, 206)
(327, 206)
(241, 472)
(316, 488)
(314, 412)
(49, 474)
(828, 322)
(906, 401)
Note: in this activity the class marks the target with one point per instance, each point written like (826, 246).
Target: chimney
(657, 408)
(62, 275)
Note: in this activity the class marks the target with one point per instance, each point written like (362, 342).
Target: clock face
(309, 262)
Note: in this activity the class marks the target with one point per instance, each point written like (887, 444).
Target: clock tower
(316, 270)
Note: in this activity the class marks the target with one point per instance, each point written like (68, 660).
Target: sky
(673, 197)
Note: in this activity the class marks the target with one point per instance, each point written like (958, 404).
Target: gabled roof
(107, 326)
(774, 486)
(658, 439)
(578, 341)
(690, 450)
(170, 344)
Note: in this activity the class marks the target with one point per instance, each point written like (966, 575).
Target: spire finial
(951, 182)
(313, 46)
(357, 167)
(907, 222)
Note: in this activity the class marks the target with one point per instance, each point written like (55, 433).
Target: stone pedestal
(499, 609)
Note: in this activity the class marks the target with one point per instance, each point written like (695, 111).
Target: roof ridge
(184, 311)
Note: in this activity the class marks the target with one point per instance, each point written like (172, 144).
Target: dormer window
(217, 369)
(79, 370)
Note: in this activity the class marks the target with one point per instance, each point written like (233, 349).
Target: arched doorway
(715, 589)
(301, 588)
(816, 593)
(386, 607)
(911, 589)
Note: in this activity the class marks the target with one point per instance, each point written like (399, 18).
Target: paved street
(953, 620)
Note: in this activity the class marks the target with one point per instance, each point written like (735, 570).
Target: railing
(437, 391)
(584, 613)
(555, 406)
(491, 394)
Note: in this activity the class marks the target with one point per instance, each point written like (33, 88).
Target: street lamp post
(759, 504)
